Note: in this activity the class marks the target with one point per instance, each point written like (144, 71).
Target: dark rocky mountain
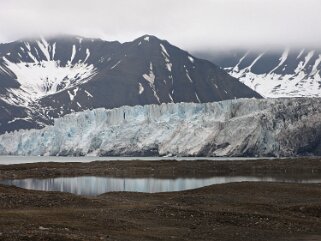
(42, 79)
(273, 73)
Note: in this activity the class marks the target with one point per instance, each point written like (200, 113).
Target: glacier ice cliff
(242, 127)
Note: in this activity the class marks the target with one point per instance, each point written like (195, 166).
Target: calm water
(6, 160)
(92, 186)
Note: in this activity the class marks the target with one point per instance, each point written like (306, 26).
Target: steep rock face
(44, 79)
(274, 73)
(244, 127)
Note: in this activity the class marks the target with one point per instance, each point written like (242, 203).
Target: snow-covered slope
(42, 79)
(274, 73)
(244, 127)
(39, 73)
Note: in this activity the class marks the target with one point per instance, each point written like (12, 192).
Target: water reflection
(92, 185)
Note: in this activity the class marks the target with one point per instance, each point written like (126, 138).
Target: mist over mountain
(189, 24)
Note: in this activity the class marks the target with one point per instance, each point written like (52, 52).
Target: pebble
(42, 228)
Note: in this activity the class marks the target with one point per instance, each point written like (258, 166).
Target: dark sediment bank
(298, 167)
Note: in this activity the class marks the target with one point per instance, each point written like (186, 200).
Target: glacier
(240, 127)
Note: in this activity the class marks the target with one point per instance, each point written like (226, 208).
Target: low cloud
(190, 24)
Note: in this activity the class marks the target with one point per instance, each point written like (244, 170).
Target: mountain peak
(149, 38)
(50, 77)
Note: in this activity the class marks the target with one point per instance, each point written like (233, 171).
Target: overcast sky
(190, 24)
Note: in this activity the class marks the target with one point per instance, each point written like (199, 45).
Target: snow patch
(87, 55)
(88, 94)
(283, 58)
(300, 54)
(254, 62)
(198, 99)
(164, 50)
(191, 59)
(189, 77)
(114, 66)
(168, 63)
(44, 47)
(236, 68)
(308, 58)
(73, 54)
(150, 78)
(79, 39)
(18, 118)
(316, 65)
(140, 88)
(54, 50)
(166, 58)
(72, 93)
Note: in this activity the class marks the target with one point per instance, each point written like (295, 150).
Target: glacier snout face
(243, 127)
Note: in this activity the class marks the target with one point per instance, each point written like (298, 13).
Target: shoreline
(300, 167)
(12, 160)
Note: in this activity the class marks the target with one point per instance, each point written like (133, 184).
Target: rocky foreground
(229, 212)
(242, 127)
(239, 211)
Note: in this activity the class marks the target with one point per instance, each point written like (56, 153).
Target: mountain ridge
(53, 77)
(287, 72)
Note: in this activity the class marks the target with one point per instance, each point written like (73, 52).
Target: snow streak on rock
(150, 78)
(166, 58)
